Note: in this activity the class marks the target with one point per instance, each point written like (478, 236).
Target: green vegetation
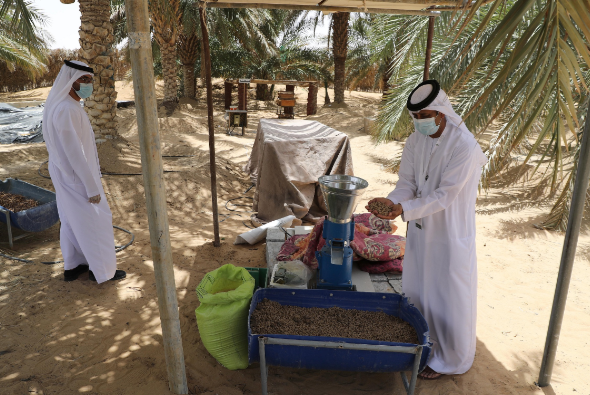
(523, 63)
(23, 43)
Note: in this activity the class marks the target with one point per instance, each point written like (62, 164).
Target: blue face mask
(85, 90)
(426, 126)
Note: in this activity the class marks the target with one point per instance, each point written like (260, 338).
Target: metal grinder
(341, 195)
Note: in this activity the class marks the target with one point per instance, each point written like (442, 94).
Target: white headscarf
(59, 92)
(441, 103)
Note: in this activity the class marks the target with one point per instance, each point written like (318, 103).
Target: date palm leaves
(519, 64)
(22, 42)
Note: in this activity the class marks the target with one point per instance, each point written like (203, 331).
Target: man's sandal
(429, 374)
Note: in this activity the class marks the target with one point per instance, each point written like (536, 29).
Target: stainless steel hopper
(341, 194)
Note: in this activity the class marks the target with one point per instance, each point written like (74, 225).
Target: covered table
(287, 159)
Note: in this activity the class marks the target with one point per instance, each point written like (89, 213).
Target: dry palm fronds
(16, 203)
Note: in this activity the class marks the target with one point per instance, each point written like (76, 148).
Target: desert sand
(84, 338)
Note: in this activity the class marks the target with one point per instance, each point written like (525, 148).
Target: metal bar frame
(409, 386)
(8, 227)
(568, 254)
(210, 123)
(431, 21)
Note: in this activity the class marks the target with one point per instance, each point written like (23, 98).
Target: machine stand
(413, 349)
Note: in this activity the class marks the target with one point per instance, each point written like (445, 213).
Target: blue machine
(335, 258)
(341, 195)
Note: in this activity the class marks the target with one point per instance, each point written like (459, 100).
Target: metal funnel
(341, 194)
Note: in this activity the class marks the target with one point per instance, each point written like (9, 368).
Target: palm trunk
(96, 40)
(166, 34)
(190, 89)
(340, 48)
(262, 92)
(327, 97)
(169, 71)
(188, 51)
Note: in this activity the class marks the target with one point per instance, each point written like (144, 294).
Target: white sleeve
(68, 127)
(406, 187)
(453, 179)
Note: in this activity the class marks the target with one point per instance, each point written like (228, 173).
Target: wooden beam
(275, 82)
(140, 51)
(425, 3)
(290, 110)
(210, 122)
(313, 7)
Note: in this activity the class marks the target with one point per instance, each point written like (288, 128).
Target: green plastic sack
(222, 317)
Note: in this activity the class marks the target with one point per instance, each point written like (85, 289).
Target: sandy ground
(79, 337)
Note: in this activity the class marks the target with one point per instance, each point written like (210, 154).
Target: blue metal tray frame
(35, 219)
(329, 353)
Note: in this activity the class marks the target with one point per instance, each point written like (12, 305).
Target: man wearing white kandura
(436, 193)
(86, 234)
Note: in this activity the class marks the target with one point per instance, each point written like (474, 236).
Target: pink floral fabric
(373, 244)
(395, 265)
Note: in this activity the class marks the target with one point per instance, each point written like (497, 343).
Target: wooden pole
(144, 86)
(207, 53)
(429, 48)
(243, 96)
(314, 7)
(228, 89)
(290, 110)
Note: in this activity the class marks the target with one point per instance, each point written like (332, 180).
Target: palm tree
(188, 45)
(178, 21)
(368, 66)
(340, 49)
(255, 31)
(287, 57)
(165, 17)
(23, 43)
(524, 62)
(96, 41)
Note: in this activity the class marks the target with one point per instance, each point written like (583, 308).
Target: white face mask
(85, 90)
(426, 126)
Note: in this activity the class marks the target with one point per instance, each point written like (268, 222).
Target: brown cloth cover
(288, 157)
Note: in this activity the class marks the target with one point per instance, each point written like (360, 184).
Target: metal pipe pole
(567, 257)
(144, 86)
(207, 53)
(429, 48)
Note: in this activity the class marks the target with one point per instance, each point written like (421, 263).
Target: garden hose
(117, 249)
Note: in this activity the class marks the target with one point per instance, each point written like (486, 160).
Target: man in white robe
(86, 235)
(438, 183)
